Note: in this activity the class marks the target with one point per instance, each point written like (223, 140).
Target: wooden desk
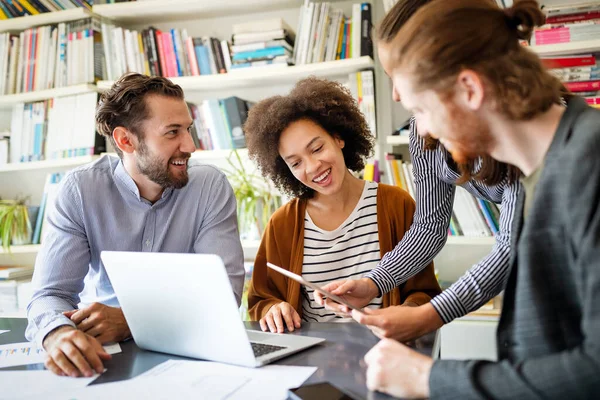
(339, 359)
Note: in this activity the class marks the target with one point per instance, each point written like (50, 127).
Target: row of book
(470, 216)
(56, 128)
(580, 74)
(569, 23)
(326, 34)
(49, 57)
(218, 123)
(161, 53)
(23, 8)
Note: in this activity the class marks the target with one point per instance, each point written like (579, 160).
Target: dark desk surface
(339, 359)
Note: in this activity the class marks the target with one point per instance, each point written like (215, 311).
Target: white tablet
(311, 285)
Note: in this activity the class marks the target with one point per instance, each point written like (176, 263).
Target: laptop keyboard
(260, 349)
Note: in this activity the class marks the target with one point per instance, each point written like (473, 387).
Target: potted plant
(15, 227)
(256, 198)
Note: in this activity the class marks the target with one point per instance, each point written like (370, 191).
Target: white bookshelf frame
(22, 23)
(262, 76)
(158, 10)
(397, 140)
(48, 164)
(580, 47)
(40, 95)
(25, 249)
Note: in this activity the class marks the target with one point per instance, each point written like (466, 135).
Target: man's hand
(276, 315)
(397, 370)
(401, 323)
(107, 324)
(70, 352)
(358, 292)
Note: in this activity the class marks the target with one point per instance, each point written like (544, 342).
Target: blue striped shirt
(98, 207)
(435, 187)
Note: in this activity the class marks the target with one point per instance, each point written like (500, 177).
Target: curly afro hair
(328, 104)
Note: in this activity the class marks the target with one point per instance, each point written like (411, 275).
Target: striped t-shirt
(350, 251)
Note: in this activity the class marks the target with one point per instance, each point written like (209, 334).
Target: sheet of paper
(23, 384)
(28, 353)
(220, 381)
(1, 331)
(196, 380)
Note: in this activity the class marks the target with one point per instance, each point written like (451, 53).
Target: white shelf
(397, 140)
(26, 249)
(14, 314)
(470, 241)
(218, 154)
(584, 46)
(49, 164)
(250, 248)
(40, 95)
(264, 76)
(159, 10)
(22, 23)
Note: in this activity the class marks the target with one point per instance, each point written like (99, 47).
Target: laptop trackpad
(255, 336)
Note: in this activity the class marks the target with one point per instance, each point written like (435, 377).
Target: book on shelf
(51, 56)
(326, 33)
(57, 128)
(23, 8)
(362, 86)
(18, 272)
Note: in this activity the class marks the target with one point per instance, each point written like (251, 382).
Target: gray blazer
(549, 332)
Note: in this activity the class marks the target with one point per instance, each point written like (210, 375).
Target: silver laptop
(183, 304)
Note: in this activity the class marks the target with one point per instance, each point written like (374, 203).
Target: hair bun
(523, 16)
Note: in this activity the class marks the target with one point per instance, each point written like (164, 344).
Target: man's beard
(154, 168)
(472, 137)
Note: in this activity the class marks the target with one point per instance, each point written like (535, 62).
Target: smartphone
(318, 391)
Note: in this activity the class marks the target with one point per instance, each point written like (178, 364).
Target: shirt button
(506, 344)
(148, 242)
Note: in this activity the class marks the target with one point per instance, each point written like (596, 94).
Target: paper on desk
(220, 381)
(23, 384)
(1, 331)
(28, 353)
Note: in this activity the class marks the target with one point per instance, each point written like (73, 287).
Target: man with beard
(458, 66)
(150, 199)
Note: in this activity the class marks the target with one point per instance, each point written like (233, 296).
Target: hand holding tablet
(313, 286)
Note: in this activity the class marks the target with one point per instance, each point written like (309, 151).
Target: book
(11, 272)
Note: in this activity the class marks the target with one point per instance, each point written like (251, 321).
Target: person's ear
(339, 141)
(470, 90)
(124, 139)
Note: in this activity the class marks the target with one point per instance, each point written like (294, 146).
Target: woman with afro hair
(336, 226)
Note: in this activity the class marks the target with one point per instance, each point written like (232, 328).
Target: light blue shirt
(98, 207)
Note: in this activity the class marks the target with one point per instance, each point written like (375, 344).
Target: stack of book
(362, 86)
(49, 57)
(326, 34)
(580, 74)
(569, 23)
(261, 43)
(22, 8)
(15, 288)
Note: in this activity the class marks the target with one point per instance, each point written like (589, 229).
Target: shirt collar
(126, 181)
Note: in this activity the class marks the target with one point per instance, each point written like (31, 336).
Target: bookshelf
(40, 95)
(27, 249)
(22, 23)
(265, 76)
